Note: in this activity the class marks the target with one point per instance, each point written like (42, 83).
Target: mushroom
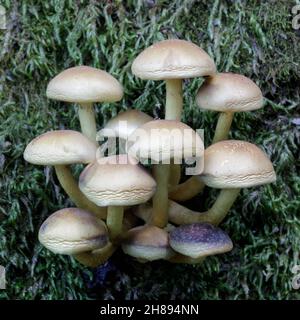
(147, 243)
(59, 149)
(116, 181)
(85, 85)
(172, 61)
(199, 240)
(73, 231)
(122, 125)
(228, 93)
(161, 141)
(228, 165)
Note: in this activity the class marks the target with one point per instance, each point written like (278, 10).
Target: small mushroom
(199, 240)
(228, 93)
(173, 60)
(59, 149)
(147, 243)
(73, 231)
(85, 85)
(123, 125)
(116, 181)
(161, 141)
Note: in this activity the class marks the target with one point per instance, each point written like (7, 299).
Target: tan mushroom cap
(116, 181)
(199, 240)
(229, 92)
(161, 140)
(124, 124)
(147, 243)
(236, 164)
(60, 147)
(72, 230)
(84, 84)
(173, 59)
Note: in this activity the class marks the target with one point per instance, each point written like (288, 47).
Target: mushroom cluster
(128, 195)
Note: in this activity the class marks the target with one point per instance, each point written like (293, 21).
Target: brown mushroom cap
(199, 240)
(84, 84)
(173, 59)
(126, 122)
(60, 147)
(147, 243)
(229, 92)
(161, 140)
(72, 230)
(116, 181)
(236, 164)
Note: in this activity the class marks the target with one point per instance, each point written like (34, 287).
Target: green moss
(254, 38)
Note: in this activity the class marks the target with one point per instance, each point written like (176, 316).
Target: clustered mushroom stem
(186, 190)
(114, 221)
(215, 215)
(70, 186)
(96, 257)
(174, 105)
(175, 174)
(160, 200)
(173, 99)
(223, 126)
(222, 205)
(88, 120)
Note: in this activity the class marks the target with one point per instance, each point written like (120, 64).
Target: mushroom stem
(223, 126)
(179, 214)
(186, 190)
(70, 186)
(175, 174)
(173, 99)
(88, 120)
(114, 221)
(216, 214)
(159, 216)
(96, 257)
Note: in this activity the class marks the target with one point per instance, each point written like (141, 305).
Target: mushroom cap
(72, 230)
(173, 59)
(147, 243)
(116, 181)
(199, 240)
(229, 92)
(236, 164)
(162, 140)
(60, 147)
(84, 84)
(124, 124)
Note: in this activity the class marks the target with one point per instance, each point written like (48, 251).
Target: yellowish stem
(173, 99)
(223, 126)
(114, 221)
(160, 199)
(186, 190)
(88, 121)
(70, 185)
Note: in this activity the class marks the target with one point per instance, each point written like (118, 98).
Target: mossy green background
(254, 38)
